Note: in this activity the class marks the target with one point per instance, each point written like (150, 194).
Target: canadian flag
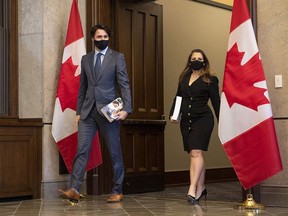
(64, 130)
(246, 126)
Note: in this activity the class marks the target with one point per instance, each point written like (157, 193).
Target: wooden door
(137, 32)
(139, 36)
(138, 28)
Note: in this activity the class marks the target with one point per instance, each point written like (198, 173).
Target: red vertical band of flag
(246, 126)
(63, 129)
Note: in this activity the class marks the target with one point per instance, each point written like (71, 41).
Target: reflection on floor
(221, 200)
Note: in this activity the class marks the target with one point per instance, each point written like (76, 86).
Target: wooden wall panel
(21, 159)
(8, 58)
(17, 153)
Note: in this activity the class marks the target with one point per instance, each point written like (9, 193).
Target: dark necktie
(97, 65)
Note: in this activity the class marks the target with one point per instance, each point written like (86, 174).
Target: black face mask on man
(197, 65)
(101, 44)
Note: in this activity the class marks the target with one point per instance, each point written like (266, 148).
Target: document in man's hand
(112, 108)
(176, 112)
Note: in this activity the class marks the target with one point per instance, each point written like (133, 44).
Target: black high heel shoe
(191, 199)
(204, 193)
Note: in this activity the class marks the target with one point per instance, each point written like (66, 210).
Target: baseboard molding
(212, 175)
(274, 195)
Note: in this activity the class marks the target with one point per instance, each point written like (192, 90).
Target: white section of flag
(236, 119)
(63, 122)
(244, 36)
(75, 50)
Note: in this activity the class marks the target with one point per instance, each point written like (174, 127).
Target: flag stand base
(250, 205)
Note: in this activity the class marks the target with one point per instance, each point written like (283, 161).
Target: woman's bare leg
(201, 182)
(196, 169)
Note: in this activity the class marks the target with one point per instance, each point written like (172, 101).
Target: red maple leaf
(68, 85)
(239, 80)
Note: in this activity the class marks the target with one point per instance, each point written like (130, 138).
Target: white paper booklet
(176, 112)
(112, 108)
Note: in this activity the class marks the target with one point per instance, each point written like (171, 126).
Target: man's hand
(121, 115)
(77, 119)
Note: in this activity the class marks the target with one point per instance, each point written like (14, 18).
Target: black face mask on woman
(196, 65)
(102, 44)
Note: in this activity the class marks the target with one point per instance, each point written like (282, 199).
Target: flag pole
(249, 204)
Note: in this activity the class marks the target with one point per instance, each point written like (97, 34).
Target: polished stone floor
(222, 199)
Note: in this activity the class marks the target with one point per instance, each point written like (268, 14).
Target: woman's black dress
(197, 119)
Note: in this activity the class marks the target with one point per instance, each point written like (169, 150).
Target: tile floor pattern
(169, 202)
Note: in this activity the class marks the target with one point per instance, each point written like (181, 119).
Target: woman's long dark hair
(205, 71)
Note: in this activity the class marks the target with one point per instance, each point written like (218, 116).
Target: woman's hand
(174, 121)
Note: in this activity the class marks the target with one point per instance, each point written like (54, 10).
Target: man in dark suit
(103, 78)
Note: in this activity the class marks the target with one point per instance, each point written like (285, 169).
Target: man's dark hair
(100, 26)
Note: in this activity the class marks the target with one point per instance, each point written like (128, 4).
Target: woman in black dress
(196, 86)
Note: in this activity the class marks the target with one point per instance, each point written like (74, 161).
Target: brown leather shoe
(115, 198)
(69, 194)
